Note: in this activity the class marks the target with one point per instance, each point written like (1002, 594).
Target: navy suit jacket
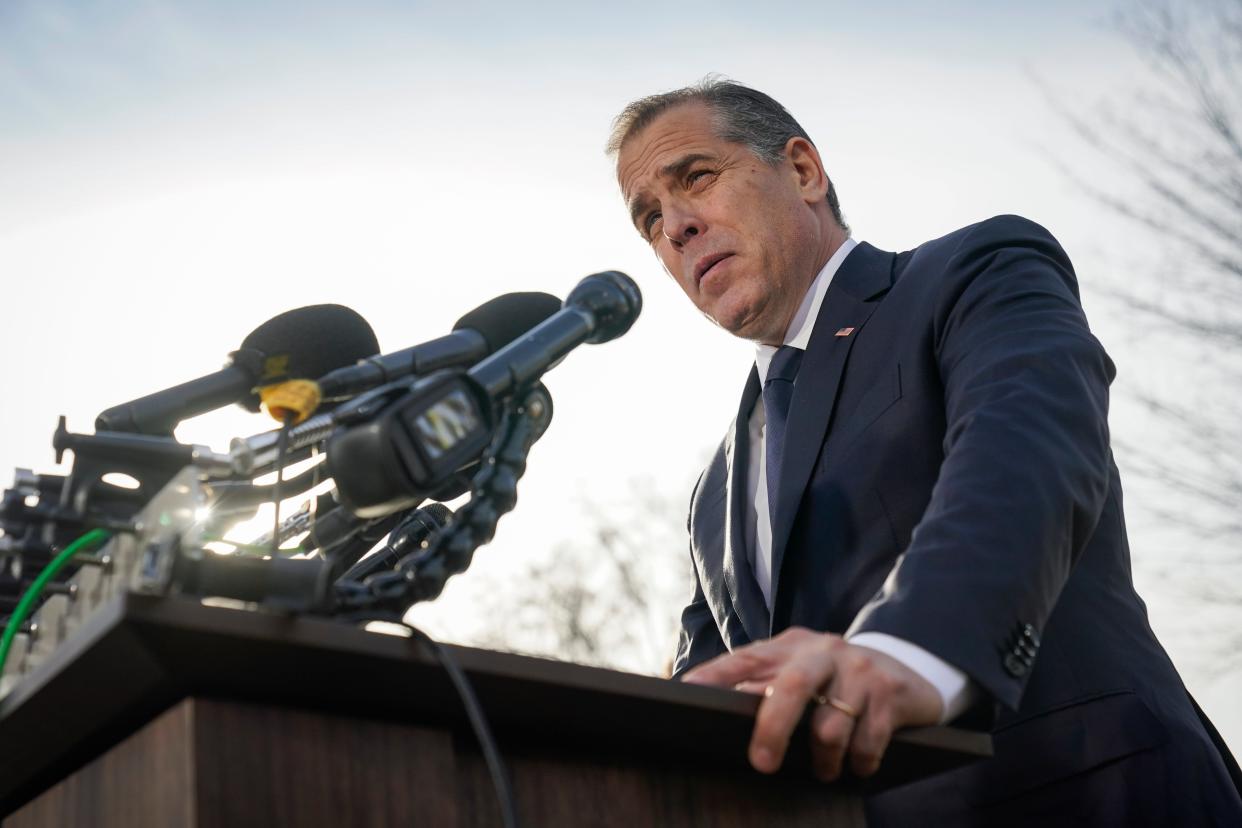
(947, 479)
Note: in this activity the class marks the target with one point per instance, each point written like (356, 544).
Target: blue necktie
(777, 394)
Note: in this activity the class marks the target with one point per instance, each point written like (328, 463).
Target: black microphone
(391, 453)
(299, 344)
(601, 308)
(480, 332)
(495, 323)
(405, 539)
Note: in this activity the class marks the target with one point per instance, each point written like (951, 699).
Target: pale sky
(173, 174)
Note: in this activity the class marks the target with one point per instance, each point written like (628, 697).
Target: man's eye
(696, 176)
(649, 223)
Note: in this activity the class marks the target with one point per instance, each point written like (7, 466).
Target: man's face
(737, 234)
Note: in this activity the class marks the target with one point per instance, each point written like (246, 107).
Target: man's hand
(800, 666)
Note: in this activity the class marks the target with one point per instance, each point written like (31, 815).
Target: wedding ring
(845, 707)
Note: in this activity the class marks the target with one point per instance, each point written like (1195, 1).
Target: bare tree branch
(611, 597)
(1178, 142)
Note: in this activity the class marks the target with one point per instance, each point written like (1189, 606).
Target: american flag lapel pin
(845, 332)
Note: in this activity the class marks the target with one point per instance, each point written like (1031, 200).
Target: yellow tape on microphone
(298, 398)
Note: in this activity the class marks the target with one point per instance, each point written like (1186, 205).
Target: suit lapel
(739, 576)
(864, 276)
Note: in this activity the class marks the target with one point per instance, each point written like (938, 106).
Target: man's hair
(741, 115)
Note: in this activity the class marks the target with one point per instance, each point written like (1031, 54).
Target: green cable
(93, 537)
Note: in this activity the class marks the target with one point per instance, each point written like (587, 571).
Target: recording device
(421, 432)
(391, 455)
(404, 540)
(495, 324)
(480, 332)
(303, 343)
(599, 309)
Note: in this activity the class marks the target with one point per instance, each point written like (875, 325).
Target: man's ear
(805, 163)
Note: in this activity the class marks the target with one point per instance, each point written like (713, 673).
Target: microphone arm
(158, 413)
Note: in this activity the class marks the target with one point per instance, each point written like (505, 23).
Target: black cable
(478, 721)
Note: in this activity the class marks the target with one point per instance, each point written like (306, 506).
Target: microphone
(480, 332)
(298, 344)
(495, 323)
(389, 455)
(406, 538)
(601, 308)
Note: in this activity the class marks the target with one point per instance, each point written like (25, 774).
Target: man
(916, 516)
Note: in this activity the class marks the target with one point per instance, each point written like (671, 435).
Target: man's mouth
(705, 265)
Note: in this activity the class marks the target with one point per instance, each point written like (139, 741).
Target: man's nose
(681, 225)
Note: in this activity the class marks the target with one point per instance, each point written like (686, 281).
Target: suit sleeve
(1026, 460)
(699, 638)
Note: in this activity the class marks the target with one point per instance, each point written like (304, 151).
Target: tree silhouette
(1177, 141)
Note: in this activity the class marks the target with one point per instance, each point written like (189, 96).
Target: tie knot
(784, 365)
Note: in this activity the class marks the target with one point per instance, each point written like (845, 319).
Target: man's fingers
(778, 713)
(834, 723)
(887, 707)
(783, 706)
(866, 698)
(730, 669)
(870, 740)
(756, 687)
(758, 661)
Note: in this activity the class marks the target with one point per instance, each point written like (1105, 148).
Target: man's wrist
(957, 691)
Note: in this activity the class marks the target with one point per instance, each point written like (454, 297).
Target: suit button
(1015, 666)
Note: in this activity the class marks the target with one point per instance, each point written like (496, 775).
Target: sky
(173, 174)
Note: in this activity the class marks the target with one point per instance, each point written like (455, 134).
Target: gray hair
(741, 115)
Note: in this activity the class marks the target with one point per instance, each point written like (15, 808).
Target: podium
(163, 711)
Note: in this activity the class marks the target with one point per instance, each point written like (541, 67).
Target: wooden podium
(165, 712)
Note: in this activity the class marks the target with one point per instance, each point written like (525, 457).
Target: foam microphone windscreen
(507, 317)
(305, 343)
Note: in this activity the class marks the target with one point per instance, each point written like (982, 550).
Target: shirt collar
(803, 323)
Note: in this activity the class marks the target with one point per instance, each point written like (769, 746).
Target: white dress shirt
(955, 688)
